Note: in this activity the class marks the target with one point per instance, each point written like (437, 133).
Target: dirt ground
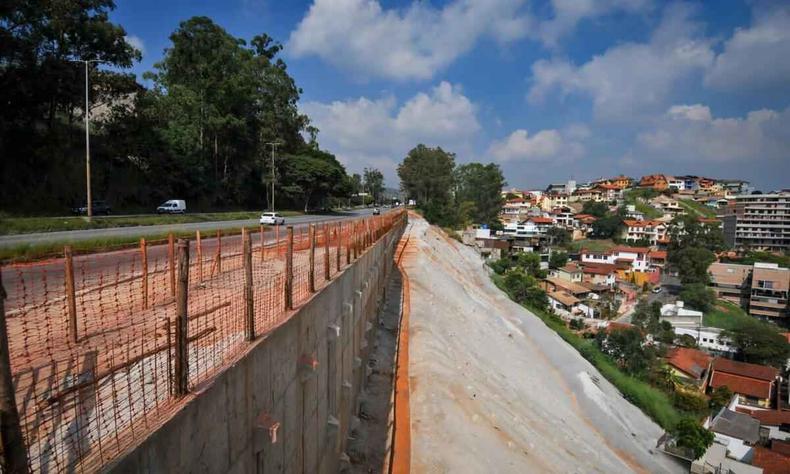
(494, 390)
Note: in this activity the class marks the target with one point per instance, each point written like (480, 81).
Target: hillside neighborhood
(606, 256)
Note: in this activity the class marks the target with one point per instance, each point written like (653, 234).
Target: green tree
(42, 92)
(759, 343)
(625, 346)
(690, 401)
(426, 176)
(313, 176)
(607, 227)
(523, 288)
(481, 185)
(530, 263)
(374, 183)
(501, 266)
(558, 259)
(597, 209)
(558, 236)
(698, 296)
(647, 316)
(691, 435)
(691, 264)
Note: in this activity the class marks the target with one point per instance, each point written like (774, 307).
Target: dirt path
(494, 390)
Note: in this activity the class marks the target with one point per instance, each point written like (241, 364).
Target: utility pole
(89, 203)
(274, 146)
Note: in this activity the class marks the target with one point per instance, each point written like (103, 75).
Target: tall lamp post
(274, 146)
(89, 200)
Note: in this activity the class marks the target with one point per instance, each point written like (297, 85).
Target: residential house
(533, 228)
(716, 461)
(777, 422)
(609, 192)
(690, 183)
(708, 338)
(655, 181)
(754, 384)
(769, 292)
(771, 461)
(667, 205)
(735, 187)
(658, 258)
(584, 222)
(593, 194)
(738, 432)
(691, 365)
(731, 282)
(564, 217)
(551, 201)
(679, 316)
(622, 182)
(570, 272)
(493, 248)
(569, 297)
(632, 213)
(599, 274)
(637, 257)
(562, 302)
(649, 231)
(556, 188)
(675, 184)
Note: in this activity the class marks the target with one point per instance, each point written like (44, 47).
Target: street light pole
(89, 199)
(274, 146)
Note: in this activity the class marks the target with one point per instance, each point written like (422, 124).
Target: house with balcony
(755, 385)
(769, 291)
(654, 181)
(731, 282)
(667, 205)
(651, 231)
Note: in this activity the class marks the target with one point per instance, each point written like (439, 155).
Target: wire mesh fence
(103, 345)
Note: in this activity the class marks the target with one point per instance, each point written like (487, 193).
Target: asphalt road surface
(141, 231)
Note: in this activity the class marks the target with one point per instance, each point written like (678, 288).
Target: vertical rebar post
(249, 314)
(182, 295)
(71, 297)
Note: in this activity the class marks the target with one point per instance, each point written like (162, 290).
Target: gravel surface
(494, 390)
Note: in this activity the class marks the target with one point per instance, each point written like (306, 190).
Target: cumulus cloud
(755, 57)
(414, 43)
(136, 42)
(568, 13)
(364, 132)
(691, 132)
(546, 145)
(631, 79)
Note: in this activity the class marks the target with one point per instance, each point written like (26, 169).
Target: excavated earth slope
(495, 390)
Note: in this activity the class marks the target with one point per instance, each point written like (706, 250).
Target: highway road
(142, 231)
(31, 283)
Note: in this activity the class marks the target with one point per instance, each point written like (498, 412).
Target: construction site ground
(493, 389)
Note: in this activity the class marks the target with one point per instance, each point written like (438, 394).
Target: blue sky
(550, 90)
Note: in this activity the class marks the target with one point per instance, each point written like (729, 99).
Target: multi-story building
(676, 184)
(622, 181)
(731, 282)
(653, 232)
(667, 205)
(761, 289)
(769, 292)
(762, 221)
(735, 187)
(636, 257)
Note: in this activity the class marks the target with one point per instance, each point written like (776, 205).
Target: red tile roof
(658, 254)
(541, 220)
(781, 447)
(625, 248)
(767, 417)
(770, 461)
(598, 268)
(760, 372)
(741, 385)
(689, 361)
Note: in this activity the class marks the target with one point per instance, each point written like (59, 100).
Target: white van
(173, 206)
(272, 218)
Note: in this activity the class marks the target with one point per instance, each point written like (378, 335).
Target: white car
(173, 206)
(272, 218)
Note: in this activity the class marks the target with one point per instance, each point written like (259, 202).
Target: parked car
(657, 289)
(376, 211)
(98, 208)
(272, 218)
(173, 206)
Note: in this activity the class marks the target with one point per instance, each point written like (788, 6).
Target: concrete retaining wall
(306, 375)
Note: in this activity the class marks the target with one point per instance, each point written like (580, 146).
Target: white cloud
(546, 145)
(755, 57)
(414, 43)
(568, 13)
(631, 79)
(690, 132)
(136, 42)
(365, 132)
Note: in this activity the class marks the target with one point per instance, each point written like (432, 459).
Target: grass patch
(31, 252)
(27, 225)
(725, 315)
(649, 211)
(652, 401)
(696, 209)
(596, 245)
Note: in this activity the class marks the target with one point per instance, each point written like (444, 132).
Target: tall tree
(481, 185)
(374, 183)
(426, 176)
(42, 92)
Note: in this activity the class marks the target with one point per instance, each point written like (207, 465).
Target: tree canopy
(482, 186)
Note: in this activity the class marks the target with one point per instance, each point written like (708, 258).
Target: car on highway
(98, 208)
(272, 218)
(376, 211)
(172, 206)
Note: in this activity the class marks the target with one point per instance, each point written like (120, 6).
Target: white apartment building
(654, 232)
(637, 257)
